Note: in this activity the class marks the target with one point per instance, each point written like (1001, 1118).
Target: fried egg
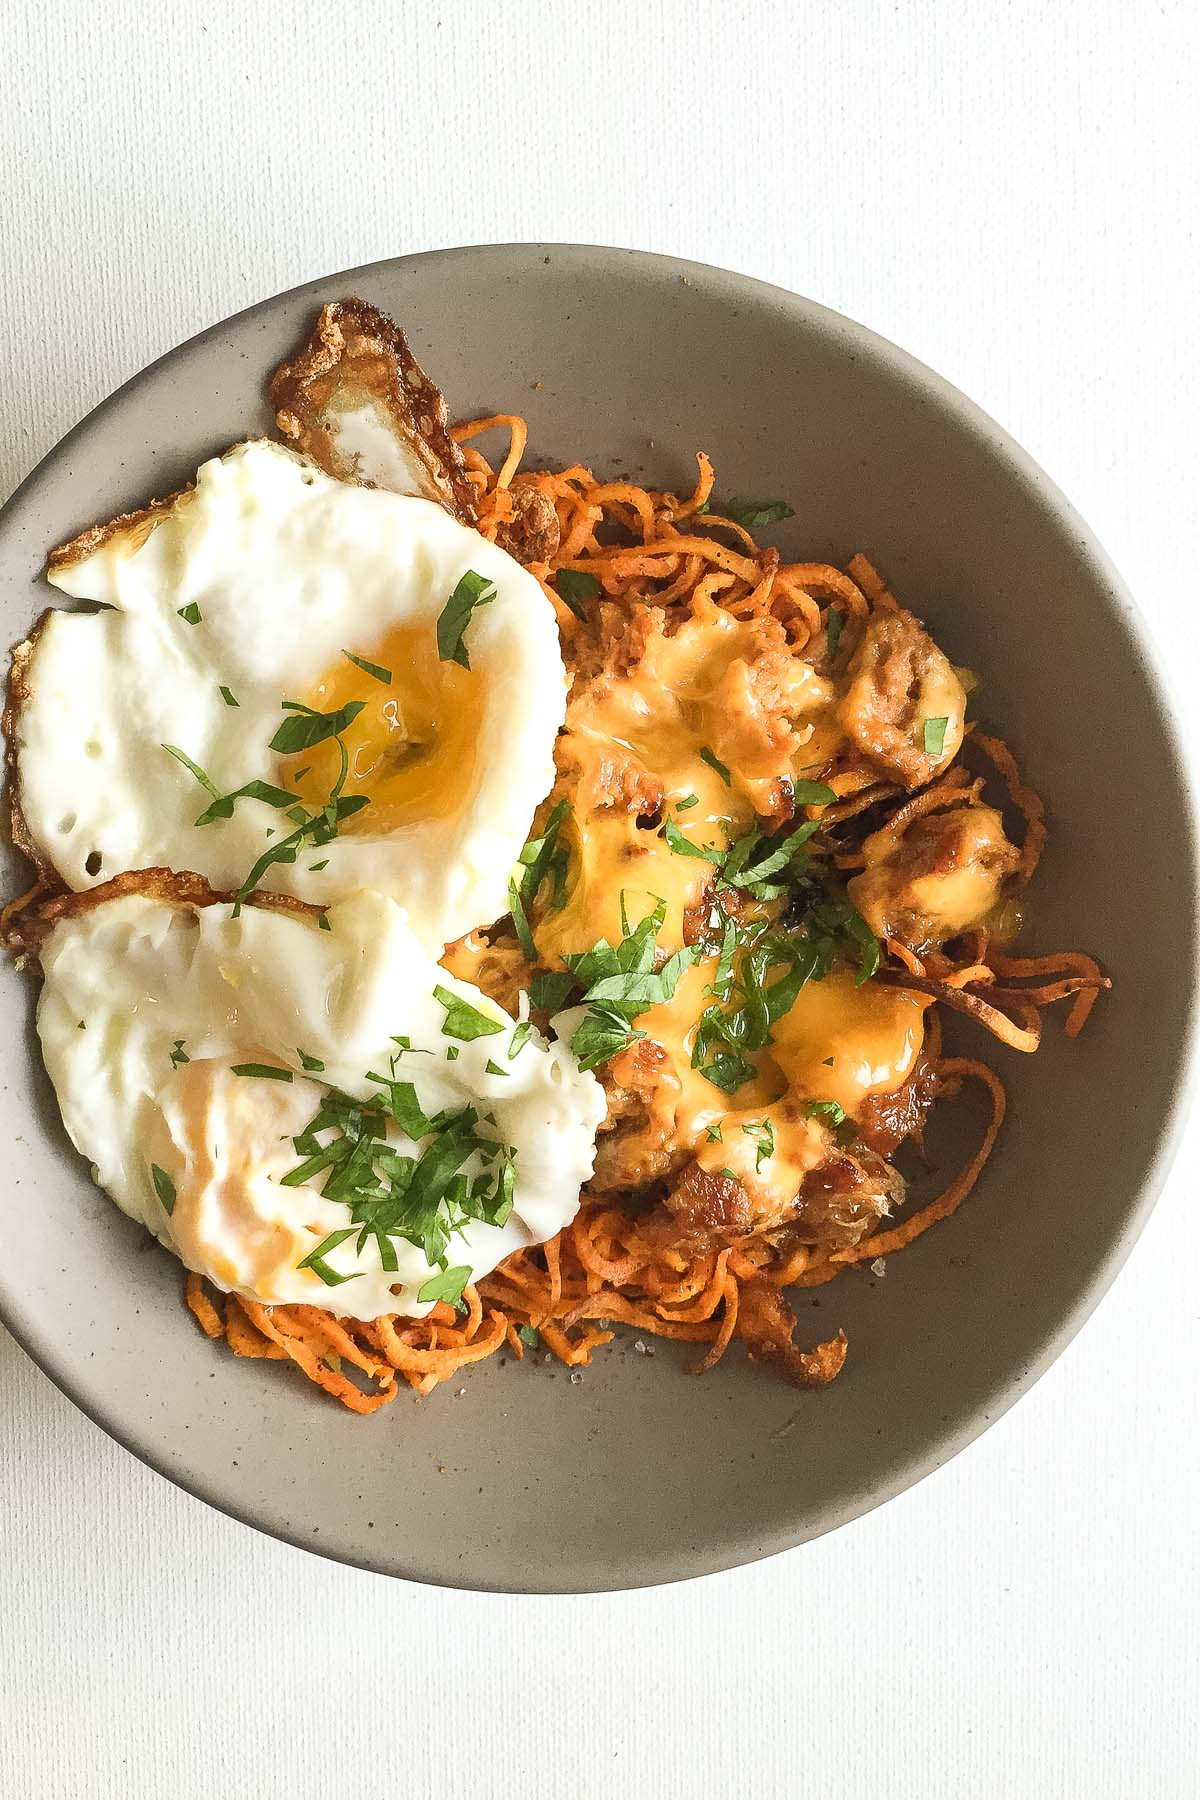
(190, 1049)
(267, 589)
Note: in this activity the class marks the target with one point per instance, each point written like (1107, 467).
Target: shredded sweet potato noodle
(613, 1266)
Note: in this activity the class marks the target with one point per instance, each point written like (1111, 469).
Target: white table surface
(1008, 191)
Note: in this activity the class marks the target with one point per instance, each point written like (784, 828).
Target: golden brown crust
(26, 930)
(356, 356)
(16, 695)
(136, 526)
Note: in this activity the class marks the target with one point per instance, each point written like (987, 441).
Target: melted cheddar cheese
(843, 1043)
(633, 744)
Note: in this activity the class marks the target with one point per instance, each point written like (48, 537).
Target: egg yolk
(412, 749)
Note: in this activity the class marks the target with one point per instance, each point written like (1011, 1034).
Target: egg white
(288, 569)
(124, 982)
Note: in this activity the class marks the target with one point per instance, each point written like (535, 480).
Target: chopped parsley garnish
(543, 861)
(369, 668)
(464, 1021)
(829, 1109)
(323, 922)
(423, 1194)
(683, 846)
(763, 1133)
(687, 803)
(301, 731)
(447, 1285)
(522, 1032)
(812, 793)
(753, 859)
(616, 983)
(315, 1260)
(222, 807)
(714, 762)
(573, 586)
(312, 1064)
(834, 620)
(190, 614)
(181, 756)
(452, 1052)
(934, 736)
(713, 1134)
(529, 1335)
(315, 868)
(492, 1067)
(759, 974)
(306, 727)
(750, 513)
(164, 1187)
(261, 1071)
(227, 696)
(472, 590)
(549, 989)
(179, 1054)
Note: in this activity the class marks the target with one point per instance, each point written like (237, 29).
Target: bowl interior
(639, 1473)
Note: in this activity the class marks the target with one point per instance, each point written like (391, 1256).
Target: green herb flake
(312, 1064)
(763, 1134)
(493, 1068)
(190, 614)
(315, 1260)
(164, 1187)
(315, 868)
(812, 793)
(530, 1336)
(323, 922)
(934, 736)
(714, 762)
(222, 807)
(369, 668)
(520, 919)
(307, 728)
(179, 1054)
(834, 620)
(687, 803)
(522, 1033)
(542, 861)
(828, 1109)
(549, 990)
(261, 1071)
(683, 846)
(193, 769)
(751, 513)
(464, 1021)
(227, 696)
(447, 1285)
(472, 590)
(713, 1134)
(573, 587)
(452, 1052)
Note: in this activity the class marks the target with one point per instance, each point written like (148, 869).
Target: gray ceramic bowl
(640, 1473)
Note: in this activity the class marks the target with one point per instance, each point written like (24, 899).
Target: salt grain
(576, 1377)
(879, 1267)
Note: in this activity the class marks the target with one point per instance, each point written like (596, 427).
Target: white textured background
(1010, 192)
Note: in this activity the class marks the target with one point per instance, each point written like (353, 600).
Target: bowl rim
(903, 1473)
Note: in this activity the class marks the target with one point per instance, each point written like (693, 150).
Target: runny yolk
(413, 748)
